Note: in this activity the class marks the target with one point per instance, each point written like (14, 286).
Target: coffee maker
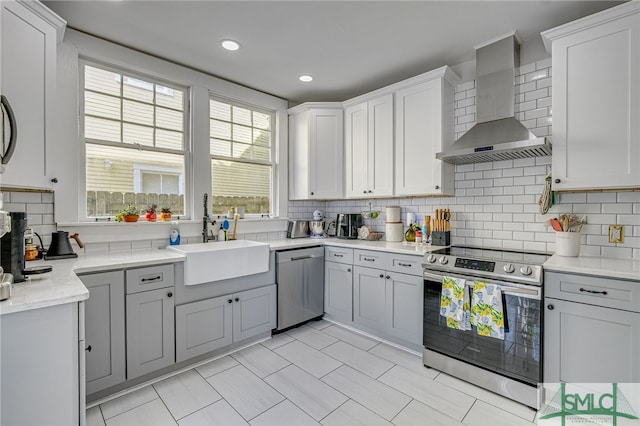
(347, 225)
(12, 247)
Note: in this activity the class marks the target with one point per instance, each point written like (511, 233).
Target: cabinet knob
(348, 269)
(370, 191)
(388, 277)
(557, 181)
(312, 193)
(437, 186)
(229, 301)
(88, 348)
(381, 275)
(169, 294)
(54, 180)
(364, 192)
(550, 307)
(237, 299)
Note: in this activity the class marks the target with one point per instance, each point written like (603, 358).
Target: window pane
(168, 97)
(241, 115)
(237, 184)
(169, 119)
(132, 133)
(168, 139)
(261, 153)
(261, 137)
(139, 90)
(101, 105)
(218, 129)
(117, 176)
(241, 150)
(219, 110)
(151, 182)
(220, 147)
(137, 112)
(242, 134)
(261, 121)
(102, 81)
(101, 129)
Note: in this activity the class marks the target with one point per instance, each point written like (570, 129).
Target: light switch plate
(616, 234)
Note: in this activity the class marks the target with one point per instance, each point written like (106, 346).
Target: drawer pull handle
(301, 257)
(404, 264)
(156, 278)
(338, 255)
(369, 259)
(584, 290)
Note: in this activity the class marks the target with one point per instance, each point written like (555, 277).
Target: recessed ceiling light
(305, 78)
(230, 44)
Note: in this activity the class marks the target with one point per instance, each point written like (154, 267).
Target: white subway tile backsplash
(623, 208)
(601, 197)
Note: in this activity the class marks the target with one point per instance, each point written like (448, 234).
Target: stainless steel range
(511, 367)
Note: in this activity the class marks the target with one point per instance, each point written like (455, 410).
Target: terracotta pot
(131, 218)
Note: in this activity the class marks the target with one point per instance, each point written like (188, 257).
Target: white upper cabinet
(424, 126)
(316, 160)
(596, 100)
(30, 34)
(369, 148)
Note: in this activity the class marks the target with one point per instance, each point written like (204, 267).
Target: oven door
(518, 356)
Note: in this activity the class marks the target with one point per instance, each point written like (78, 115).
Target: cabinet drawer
(150, 278)
(606, 292)
(339, 255)
(405, 264)
(372, 259)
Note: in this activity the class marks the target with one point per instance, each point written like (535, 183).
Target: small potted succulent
(151, 213)
(128, 214)
(166, 214)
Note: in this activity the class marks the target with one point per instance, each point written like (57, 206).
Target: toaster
(298, 229)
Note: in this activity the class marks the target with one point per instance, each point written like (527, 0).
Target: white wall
(496, 203)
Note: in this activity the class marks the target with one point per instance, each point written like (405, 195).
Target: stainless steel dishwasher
(300, 279)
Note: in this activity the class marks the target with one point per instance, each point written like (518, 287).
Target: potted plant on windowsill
(128, 214)
(151, 213)
(165, 215)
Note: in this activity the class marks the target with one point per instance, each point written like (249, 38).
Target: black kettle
(60, 247)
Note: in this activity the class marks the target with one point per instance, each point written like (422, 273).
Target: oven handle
(533, 293)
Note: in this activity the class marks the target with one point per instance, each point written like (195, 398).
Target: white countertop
(627, 269)
(386, 246)
(62, 285)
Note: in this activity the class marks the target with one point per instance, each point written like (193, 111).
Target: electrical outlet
(616, 234)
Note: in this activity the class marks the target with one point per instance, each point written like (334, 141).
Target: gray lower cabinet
(404, 306)
(104, 330)
(591, 329)
(369, 297)
(210, 324)
(150, 331)
(338, 291)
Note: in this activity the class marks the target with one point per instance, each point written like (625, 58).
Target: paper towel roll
(411, 218)
(394, 232)
(393, 214)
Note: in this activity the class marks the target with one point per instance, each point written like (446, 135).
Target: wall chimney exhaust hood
(497, 134)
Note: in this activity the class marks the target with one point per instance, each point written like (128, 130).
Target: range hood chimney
(497, 134)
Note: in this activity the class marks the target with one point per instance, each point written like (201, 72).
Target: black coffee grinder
(12, 250)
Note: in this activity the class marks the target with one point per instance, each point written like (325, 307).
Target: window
(242, 159)
(134, 131)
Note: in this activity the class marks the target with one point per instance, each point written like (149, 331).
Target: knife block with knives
(441, 228)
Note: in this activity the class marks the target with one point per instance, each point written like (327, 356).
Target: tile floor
(319, 373)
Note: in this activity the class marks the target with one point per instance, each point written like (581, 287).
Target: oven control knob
(508, 268)
(431, 258)
(443, 260)
(526, 270)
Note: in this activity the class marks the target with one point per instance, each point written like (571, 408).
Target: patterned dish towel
(454, 303)
(487, 310)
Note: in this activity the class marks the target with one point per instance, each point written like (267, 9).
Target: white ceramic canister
(568, 243)
(393, 214)
(394, 232)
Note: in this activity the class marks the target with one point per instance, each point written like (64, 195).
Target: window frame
(274, 202)
(185, 181)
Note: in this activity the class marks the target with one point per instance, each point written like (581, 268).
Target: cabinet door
(28, 82)
(404, 306)
(203, 327)
(418, 139)
(369, 293)
(150, 331)
(380, 165)
(254, 312)
(326, 157)
(299, 156)
(357, 151)
(104, 330)
(596, 105)
(338, 291)
(590, 344)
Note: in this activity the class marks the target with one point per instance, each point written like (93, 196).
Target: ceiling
(350, 47)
